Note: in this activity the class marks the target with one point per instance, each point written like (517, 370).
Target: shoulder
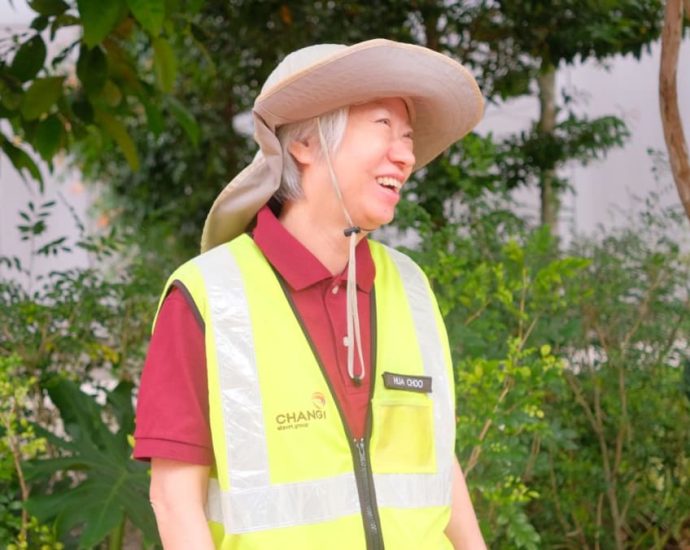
(388, 257)
(218, 257)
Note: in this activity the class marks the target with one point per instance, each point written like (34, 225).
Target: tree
(668, 97)
(53, 106)
(516, 46)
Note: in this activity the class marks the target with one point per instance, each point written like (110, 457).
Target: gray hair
(333, 126)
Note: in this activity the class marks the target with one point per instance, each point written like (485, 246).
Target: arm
(178, 494)
(463, 528)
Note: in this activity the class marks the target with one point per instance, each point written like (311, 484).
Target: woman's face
(374, 160)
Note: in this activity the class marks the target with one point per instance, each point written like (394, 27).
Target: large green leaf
(111, 485)
(150, 13)
(29, 59)
(21, 160)
(154, 116)
(121, 400)
(186, 120)
(48, 7)
(116, 130)
(99, 18)
(92, 69)
(11, 94)
(165, 64)
(48, 137)
(41, 96)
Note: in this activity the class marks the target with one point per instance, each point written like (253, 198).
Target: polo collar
(297, 265)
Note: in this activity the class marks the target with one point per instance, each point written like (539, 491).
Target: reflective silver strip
(240, 395)
(391, 491)
(413, 490)
(284, 505)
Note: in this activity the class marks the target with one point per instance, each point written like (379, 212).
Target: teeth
(389, 182)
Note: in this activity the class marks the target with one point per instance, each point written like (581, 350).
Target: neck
(322, 235)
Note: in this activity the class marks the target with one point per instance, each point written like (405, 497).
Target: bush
(572, 377)
(86, 325)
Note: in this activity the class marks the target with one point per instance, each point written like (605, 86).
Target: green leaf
(46, 467)
(154, 117)
(116, 130)
(29, 59)
(48, 137)
(99, 526)
(185, 119)
(83, 109)
(41, 96)
(40, 23)
(21, 161)
(121, 401)
(92, 69)
(11, 94)
(165, 64)
(99, 18)
(110, 485)
(111, 94)
(61, 21)
(193, 6)
(48, 7)
(150, 13)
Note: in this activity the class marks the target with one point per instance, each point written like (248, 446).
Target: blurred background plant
(571, 359)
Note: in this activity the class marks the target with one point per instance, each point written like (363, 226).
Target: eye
(384, 120)
(409, 136)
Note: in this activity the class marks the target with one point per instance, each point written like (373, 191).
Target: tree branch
(668, 99)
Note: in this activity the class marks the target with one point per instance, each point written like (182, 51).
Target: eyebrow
(379, 103)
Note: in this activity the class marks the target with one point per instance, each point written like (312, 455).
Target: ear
(304, 151)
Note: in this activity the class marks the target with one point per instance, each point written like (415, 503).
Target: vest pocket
(402, 437)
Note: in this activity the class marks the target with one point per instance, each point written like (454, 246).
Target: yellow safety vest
(288, 474)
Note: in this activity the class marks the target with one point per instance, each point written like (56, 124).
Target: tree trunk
(668, 99)
(547, 124)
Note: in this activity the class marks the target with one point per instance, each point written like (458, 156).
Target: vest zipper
(358, 447)
(367, 497)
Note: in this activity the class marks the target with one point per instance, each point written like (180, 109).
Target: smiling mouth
(389, 183)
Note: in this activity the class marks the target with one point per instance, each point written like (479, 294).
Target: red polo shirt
(172, 407)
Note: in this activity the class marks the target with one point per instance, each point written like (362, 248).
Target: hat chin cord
(354, 337)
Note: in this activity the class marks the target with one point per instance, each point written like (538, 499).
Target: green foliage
(627, 410)
(49, 113)
(508, 42)
(109, 486)
(524, 157)
(29, 59)
(497, 283)
(18, 443)
(89, 324)
(99, 19)
(78, 320)
(150, 13)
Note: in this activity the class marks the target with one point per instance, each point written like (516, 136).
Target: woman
(298, 389)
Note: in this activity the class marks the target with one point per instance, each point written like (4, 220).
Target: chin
(375, 222)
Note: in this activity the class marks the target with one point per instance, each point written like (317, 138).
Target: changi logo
(293, 420)
(318, 399)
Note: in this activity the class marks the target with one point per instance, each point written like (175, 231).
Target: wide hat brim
(444, 97)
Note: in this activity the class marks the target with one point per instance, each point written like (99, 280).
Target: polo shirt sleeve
(172, 419)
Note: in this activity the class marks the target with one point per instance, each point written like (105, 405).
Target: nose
(402, 154)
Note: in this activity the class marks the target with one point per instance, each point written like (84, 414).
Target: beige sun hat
(445, 100)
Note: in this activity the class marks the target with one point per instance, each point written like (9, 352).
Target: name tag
(421, 384)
